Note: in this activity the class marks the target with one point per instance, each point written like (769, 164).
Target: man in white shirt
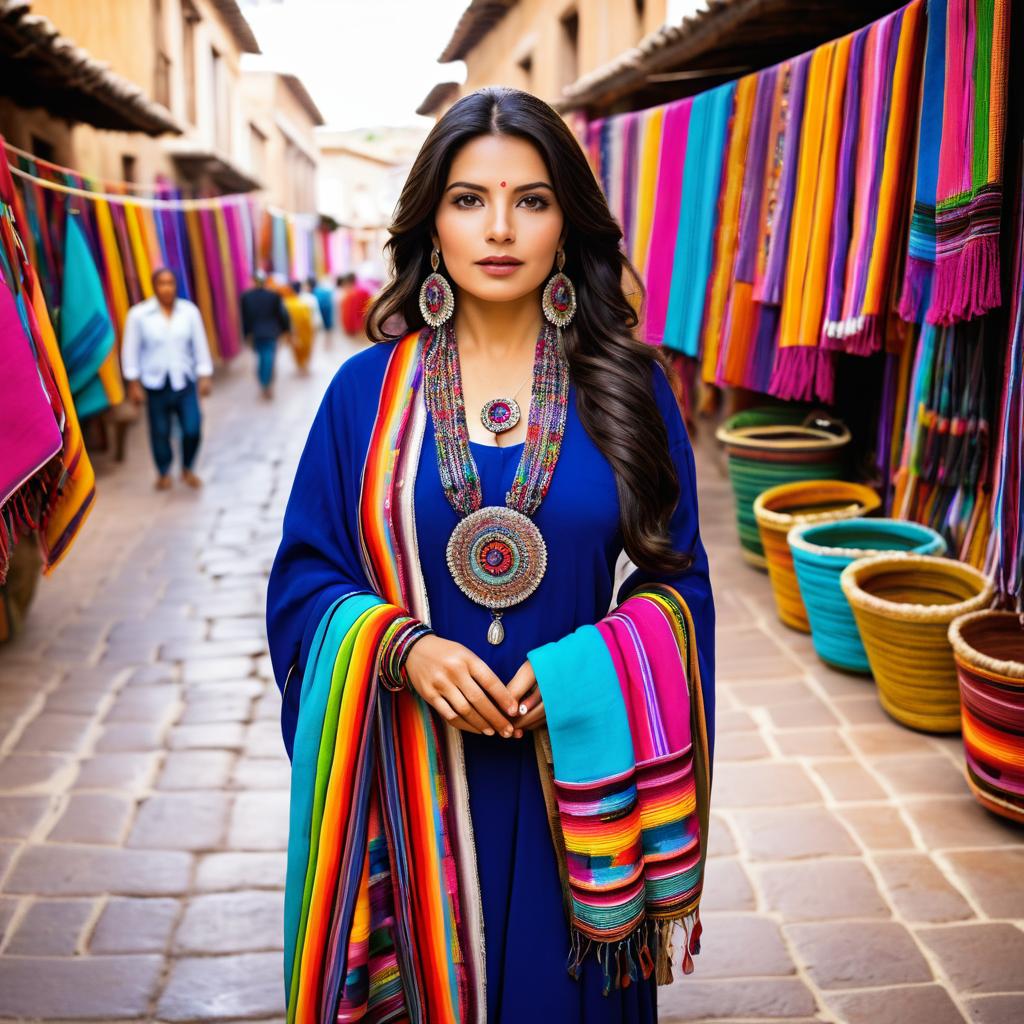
(165, 359)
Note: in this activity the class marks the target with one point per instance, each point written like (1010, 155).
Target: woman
(303, 326)
(436, 870)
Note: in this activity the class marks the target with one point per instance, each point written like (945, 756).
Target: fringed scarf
(702, 179)
(876, 186)
(969, 191)
(675, 130)
(920, 266)
(750, 161)
(802, 370)
(382, 903)
(631, 771)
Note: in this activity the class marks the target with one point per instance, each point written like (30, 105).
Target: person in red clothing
(353, 303)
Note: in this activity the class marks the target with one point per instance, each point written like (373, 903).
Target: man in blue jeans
(264, 320)
(165, 360)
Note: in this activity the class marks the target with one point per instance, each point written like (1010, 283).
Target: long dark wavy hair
(611, 369)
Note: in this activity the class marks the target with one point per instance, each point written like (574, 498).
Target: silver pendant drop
(495, 632)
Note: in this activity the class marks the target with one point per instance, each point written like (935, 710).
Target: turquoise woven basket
(821, 553)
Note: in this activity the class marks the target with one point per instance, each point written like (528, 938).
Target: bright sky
(365, 62)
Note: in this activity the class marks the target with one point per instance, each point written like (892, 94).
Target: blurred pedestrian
(264, 320)
(165, 359)
(325, 299)
(353, 304)
(302, 325)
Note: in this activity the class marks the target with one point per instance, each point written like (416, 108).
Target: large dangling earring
(559, 303)
(437, 303)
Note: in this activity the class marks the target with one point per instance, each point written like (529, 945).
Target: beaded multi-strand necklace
(496, 554)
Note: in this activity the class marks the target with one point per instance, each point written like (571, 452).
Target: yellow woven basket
(779, 509)
(903, 605)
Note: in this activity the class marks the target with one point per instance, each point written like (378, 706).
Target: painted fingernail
(488, 732)
(512, 709)
(523, 709)
(519, 734)
(506, 733)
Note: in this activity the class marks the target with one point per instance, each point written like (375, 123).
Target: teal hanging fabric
(86, 332)
(702, 173)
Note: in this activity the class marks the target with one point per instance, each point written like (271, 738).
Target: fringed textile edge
(966, 282)
(917, 283)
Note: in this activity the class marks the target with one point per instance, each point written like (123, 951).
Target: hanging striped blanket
(969, 191)
(632, 778)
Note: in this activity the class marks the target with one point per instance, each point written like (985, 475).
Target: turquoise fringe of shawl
(698, 213)
(822, 552)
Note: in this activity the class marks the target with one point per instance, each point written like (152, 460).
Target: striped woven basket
(820, 554)
(779, 509)
(903, 605)
(765, 454)
(989, 650)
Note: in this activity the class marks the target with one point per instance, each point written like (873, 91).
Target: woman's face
(498, 204)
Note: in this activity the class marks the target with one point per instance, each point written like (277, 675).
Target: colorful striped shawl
(365, 931)
(969, 188)
(650, 152)
(632, 778)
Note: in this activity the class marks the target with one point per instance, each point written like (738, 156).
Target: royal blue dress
(525, 928)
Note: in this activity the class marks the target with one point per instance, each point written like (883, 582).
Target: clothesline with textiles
(843, 203)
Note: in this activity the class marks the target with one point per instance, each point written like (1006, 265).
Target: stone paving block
(70, 870)
(8, 906)
(995, 879)
(212, 669)
(762, 785)
(71, 700)
(246, 921)
(878, 827)
(856, 954)
(919, 890)
(181, 821)
(52, 733)
(727, 886)
(950, 822)
(117, 737)
(889, 738)
(725, 721)
(1007, 1009)
(260, 821)
(262, 772)
(979, 957)
(918, 1004)
(78, 988)
(263, 739)
(207, 650)
(821, 890)
(767, 693)
(19, 815)
(208, 736)
(924, 775)
(49, 928)
(223, 988)
(721, 840)
(819, 742)
(223, 872)
(691, 999)
(33, 772)
(93, 818)
(802, 714)
(752, 654)
(135, 926)
(156, 703)
(232, 629)
(7, 851)
(217, 707)
(730, 746)
(848, 781)
(154, 675)
(792, 832)
(196, 769)
(741, 945)
(129, 771)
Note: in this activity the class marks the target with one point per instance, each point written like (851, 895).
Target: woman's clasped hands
(461, 688)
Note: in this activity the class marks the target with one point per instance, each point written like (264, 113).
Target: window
(526, 66)
(257, 151)
(188, 55)
(221, 102)
(162, 65)
(128, 167)
(569, 66)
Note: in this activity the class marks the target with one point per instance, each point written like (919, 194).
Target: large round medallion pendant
(497, 557)
(500, 414)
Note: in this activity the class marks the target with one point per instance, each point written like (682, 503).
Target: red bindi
(503, 184)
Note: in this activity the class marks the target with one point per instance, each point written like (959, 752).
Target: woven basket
(779, 509)
(820, 554)
(903, 605)
(764, 453)
(988, 647)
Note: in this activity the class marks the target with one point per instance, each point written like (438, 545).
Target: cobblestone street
(143, 782)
